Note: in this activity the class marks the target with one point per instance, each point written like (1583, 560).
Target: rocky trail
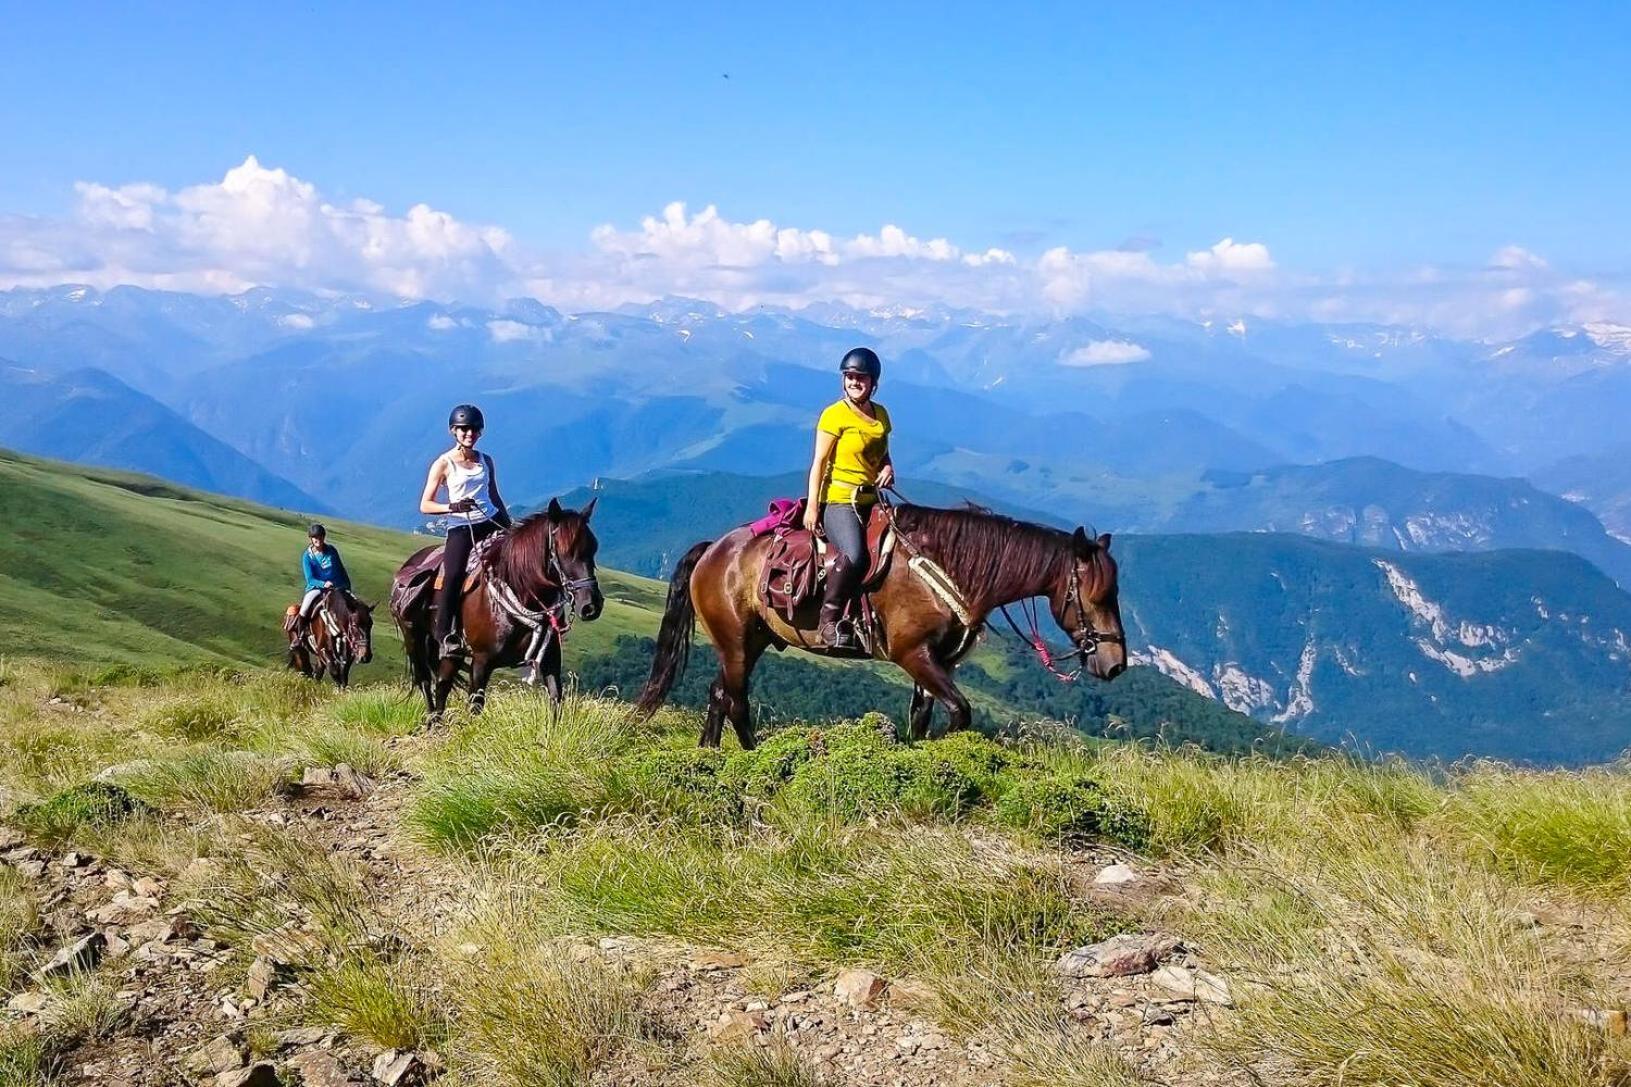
(181, 1013)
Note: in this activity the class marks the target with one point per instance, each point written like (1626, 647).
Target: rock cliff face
(1518, 654)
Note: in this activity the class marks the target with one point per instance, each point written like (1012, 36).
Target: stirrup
(839, 635)
(450, 646)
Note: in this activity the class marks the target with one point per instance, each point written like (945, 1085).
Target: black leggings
(455, 557)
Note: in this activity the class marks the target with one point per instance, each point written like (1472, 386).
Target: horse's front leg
(934, 677)
(921, 714)
(481, 670)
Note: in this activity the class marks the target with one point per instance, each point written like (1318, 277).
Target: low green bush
(1071, 808)
(682, 783)
(93, 804)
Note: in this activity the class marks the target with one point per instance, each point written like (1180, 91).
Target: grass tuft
(375, 1000)
(775, 1065)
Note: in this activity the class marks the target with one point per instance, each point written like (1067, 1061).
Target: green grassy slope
(104, 567)
(114, 567)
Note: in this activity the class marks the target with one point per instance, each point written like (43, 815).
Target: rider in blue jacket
(323, 569)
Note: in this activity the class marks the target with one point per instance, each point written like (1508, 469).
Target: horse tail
(674, 636)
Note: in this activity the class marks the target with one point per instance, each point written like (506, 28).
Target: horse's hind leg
(922, 712)
(728, 698)
(931, 675)
(549, 669)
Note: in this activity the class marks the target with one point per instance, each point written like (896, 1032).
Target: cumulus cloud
(260, 225)
(255, 226)
(1106, 353)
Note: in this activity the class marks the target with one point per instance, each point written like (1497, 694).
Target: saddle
(795, 564)
(425, 574)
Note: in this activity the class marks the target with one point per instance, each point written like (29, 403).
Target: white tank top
(474, 482)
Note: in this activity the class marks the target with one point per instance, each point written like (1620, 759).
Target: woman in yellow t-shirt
(851, 463)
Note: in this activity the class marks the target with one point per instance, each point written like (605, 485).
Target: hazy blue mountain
(1601, 482)
(91, 417)
(1514, 654)
(1376, 503)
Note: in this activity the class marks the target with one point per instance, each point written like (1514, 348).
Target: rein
(1087, 639)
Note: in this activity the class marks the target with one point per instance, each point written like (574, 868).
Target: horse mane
(521, 559)
(988, 554)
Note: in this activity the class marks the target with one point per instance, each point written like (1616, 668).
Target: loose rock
(1116, 875)
(263, 1074)
(319, 1069)
(859, 988)
(83, 954)
(1193, 984)
(1117, 957)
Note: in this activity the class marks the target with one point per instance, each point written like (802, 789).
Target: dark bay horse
(528, 580)
(992, 560)
(335, 648)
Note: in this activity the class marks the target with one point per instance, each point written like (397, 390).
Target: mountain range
(1472, 472)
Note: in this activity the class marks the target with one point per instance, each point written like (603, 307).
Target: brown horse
(991, 560)
(516, 611)
(339, 635)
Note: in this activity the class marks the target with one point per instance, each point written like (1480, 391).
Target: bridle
(1085, 639)
(569, 585)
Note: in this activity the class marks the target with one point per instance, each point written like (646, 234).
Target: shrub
(1071, 808)
(683, 783)
(858, 780)
(761, 773)
(94, 804)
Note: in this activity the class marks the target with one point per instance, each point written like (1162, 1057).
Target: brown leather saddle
(795, 565)
(424, 574)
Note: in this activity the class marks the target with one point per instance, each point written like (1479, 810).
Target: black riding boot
(835, 632)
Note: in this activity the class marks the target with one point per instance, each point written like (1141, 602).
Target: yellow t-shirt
(863, 446)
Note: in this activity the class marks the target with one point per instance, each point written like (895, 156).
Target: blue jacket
(324, 567)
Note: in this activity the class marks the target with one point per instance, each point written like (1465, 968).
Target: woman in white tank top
(474, 511)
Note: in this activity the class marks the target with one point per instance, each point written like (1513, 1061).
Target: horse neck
(990, 580)
(523, 563)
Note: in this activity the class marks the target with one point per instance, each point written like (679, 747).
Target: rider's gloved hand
(463, 505)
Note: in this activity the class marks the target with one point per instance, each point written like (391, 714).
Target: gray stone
(82, 954)
(263, 1074)
(1116, 875)
(319, 1069)
(1118, 957)
(29, 1003)
(224, 1054)
(1193, 984)
(396, 1067)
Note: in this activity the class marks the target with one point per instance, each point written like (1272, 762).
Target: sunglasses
(468, 429)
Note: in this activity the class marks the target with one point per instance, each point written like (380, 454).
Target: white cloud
(1106, 353)
(441, 322)
(255, 226)
(510, 331)
(299, 321)
(1230, 257)
(260, 225)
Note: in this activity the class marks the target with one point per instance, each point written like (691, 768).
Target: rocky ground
(181, 1013)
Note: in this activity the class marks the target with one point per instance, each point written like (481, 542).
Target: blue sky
(1363, 136)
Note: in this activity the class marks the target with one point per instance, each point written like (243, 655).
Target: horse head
(360, 629)
(1086, 604)
(572, 547)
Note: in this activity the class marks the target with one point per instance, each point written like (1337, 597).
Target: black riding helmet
(862, 360)
(467, 415)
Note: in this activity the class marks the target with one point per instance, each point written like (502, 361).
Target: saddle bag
(791, 572)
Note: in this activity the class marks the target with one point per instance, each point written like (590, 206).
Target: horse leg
(549, 669)
(930, 674)
(447, 673)
(731, 689)
(481, 670)
(922, 712)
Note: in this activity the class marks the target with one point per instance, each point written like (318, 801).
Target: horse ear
(1079, 541)
(1104, 541)
(554, 509)
(589, 510)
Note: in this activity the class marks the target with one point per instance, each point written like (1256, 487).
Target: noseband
(1085, 639)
